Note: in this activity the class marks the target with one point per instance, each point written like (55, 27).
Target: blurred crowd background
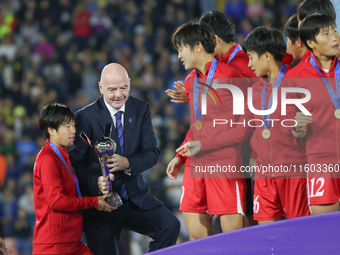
(54, 51)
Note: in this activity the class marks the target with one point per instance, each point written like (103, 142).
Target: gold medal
(266, 133)
(337, 114)
(198, 125)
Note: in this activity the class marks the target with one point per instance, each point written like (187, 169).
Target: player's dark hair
(309, 7)
(221, 25)
(192, 33)
(291, 28)
(312, 25)
(264, 39)
(53, 116)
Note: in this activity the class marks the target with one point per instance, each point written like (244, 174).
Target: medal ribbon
(263, 97)
(197, 112)
(232, 55)
(335, 98)
(56, 150)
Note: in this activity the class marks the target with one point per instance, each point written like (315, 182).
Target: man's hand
(174, 167)
(300, 130)
(103, 205)
(190, 148)
(103, 183)
(117, 163)
(178, 94)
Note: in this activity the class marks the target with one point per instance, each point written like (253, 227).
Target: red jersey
(224, 138)
(239, 62)
(288, 59)
(306, 56)
(282, 148)
(58, 210)
(323, 140)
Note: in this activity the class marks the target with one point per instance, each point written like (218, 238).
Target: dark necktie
(119, 127)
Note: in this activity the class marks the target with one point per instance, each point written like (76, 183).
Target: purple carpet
(316, 234)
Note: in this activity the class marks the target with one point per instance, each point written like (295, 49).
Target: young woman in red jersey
(278, 193)
(57, 199)
(222, 195)
(321, 75)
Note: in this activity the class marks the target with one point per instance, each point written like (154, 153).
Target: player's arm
(52, 184)
(231, 137)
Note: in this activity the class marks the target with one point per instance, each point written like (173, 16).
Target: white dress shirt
(113, 112)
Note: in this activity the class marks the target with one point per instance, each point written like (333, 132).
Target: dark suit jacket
(140, 148)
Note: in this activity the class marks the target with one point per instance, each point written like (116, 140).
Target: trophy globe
(106, 147)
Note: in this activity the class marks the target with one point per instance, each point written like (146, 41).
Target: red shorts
(276, 197)
(321, 190)
(216, 196)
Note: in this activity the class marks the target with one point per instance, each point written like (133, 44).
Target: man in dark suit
(137, 151)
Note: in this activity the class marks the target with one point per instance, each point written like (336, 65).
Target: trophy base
(114, 200)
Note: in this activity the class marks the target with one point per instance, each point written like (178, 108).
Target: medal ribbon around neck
(197, 112)
(270, 103)
(335, 98)
(232, 55)
(56, 150)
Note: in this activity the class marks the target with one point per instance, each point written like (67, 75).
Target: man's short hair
(221, 25)
(264, 39)
(53, 116)
(311, 26)
(192, 33)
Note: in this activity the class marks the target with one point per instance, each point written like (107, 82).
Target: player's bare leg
(231, 222)
(316, 209)
(268, 221)
(197, 224)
